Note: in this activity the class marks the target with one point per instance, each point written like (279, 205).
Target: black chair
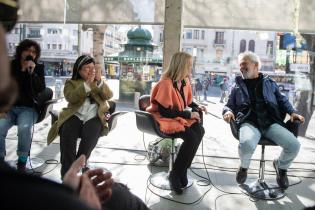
(112, 121)
(45, 110)
(147, 124)
(260, 189)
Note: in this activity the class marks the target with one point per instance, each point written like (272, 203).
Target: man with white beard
(258, 108)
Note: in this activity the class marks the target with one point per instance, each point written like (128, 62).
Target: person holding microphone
(32, 92)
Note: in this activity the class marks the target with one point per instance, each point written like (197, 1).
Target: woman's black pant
(192, 137)
(70, 131)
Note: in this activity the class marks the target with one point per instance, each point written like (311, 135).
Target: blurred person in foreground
(94, 189)
(8, 87)
(258, 108)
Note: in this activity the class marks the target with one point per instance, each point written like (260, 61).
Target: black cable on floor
(176, 201)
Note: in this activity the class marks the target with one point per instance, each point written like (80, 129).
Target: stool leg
(33, 162)
(259, 189)
(172, 158)
(160, 180)
(262, 164)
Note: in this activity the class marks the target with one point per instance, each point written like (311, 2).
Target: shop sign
(305, 68)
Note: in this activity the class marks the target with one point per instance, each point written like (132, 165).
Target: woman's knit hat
(82, 60)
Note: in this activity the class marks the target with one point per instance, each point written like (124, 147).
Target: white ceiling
(275, 15)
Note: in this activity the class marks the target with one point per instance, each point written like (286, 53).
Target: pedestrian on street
(198, 87)
(224, 90)
(205, 87)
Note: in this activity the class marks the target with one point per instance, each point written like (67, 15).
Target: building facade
(61, 44)
(215, 50)
(58, 42)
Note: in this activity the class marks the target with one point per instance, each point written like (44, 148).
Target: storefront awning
(132, 60)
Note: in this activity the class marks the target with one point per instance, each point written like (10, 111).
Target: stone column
(98, 42)
(172, 30)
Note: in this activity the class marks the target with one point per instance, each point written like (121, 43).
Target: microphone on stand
(29, 58)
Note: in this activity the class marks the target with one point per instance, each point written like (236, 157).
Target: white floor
(123, 152)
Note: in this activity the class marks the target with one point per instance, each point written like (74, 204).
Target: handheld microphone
(29, 58)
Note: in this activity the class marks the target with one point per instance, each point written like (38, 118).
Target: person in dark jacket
(32, 93)
(198, 87)
(258, 108)
(94, 189)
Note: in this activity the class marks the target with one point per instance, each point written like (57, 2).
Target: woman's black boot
(184, 179)
(175, 183)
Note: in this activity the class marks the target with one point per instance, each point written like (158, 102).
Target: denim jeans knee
(26, 119)
(249, 137)
(5, 125)
(285, 139)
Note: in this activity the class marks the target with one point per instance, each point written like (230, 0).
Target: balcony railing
(219, 43)
(34, 36)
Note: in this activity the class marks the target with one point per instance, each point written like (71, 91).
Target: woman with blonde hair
(177, 115)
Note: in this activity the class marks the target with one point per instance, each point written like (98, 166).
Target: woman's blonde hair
(179, 67)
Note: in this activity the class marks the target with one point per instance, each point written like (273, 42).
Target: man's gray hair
(253, 57)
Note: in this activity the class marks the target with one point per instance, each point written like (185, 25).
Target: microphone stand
(33, 162)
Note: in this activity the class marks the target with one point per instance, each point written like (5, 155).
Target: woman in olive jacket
(85, 115)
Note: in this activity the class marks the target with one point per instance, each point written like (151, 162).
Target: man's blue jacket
(239, 101)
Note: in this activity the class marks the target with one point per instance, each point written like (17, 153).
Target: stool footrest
(261, 190)
(160, 180)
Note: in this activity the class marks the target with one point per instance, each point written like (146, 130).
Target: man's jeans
(24, 118)
(250, 136)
